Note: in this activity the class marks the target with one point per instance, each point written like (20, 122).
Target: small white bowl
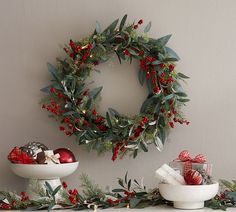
(188, 196)
(44, 171)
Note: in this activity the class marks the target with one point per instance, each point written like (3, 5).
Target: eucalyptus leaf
(108, 120)
(98, 27)
(144, 146)
(163, 40)
(134, 202)
(158, 143)
(53, 71)
(181, 75)
(122, 23)
(111, 27)
(183, 100)
(46, 89)
(95, 92)
(148, 27)
(141, 76)
(172, 53)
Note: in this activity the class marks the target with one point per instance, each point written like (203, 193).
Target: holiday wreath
(71, 102)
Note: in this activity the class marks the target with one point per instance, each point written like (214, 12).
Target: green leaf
(98, 27)
(117, 190)
(183, 100)
(126, 174)
(56, 190)
(122, 23)
(182, 76)
(172, 53)
(108, 120)
(48, 187)
(163, 40)
(53, 71)
(169, 97)
(135, 153)
(141, 76)
(111, 27)
(95, 92)
(158, 143)
(148, 27)
(181, 94)
(156, 62)
(113, 112)
(46, 89)
(144, 146)
(134, 202)
(2, 197)
(129, 184)
(121, 182)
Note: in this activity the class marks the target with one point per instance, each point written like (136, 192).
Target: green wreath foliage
(71, 102)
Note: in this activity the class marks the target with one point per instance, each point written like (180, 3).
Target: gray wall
(204, 36)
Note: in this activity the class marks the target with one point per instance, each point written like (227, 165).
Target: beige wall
(204, 35)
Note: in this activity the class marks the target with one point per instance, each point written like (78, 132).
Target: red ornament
(184, 156)
(66, 156)
(200, 159)
(19, 156)
(193, 177)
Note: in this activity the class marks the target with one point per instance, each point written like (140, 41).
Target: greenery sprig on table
(71, 102)
(129, 194)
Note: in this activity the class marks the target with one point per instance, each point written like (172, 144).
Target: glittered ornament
(33, 148)
(66, 156)
(184, 156)
(193, 177)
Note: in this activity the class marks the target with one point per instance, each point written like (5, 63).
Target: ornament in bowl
(186, 186)
(37, 163)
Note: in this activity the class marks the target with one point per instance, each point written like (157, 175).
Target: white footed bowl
(188, 196)
(39, 174)
(44, 171)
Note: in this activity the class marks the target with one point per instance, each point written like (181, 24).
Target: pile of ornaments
(38, 153)
(186, 170)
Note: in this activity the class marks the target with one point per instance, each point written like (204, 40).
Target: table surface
(152, 209)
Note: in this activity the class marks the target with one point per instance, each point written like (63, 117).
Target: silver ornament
(33, 148)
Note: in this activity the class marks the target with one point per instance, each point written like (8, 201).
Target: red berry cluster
(24, 196)
(127, 197)
(73, 196)
(119, 148)
(139, 23)
(5, 206)
(78, 53)
(113, 202)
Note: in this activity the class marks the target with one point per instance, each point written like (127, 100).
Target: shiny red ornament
(66, 156)
(184, 156)
(193, 177)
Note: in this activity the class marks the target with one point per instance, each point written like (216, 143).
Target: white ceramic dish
(188, 196)
(38, 174)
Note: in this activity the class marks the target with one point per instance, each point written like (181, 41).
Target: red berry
(171, 67)
(69, 133)
(64, 184)
(90, 46)
(72, 44)
(140, 21)
(156, 90)
(60, 94)
(126, 52)
(52, 90)
(171, 124)
(148, 75)
(62, 128)
(145, 120)
(136, 26)
(162, 65)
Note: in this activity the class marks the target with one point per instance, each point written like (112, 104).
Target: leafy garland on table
(130, 194)
(74, 105)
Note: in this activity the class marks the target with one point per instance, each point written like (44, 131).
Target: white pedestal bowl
(38, 174)
(188, 196)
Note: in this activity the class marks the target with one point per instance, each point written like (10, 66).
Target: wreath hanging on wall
(71, 102)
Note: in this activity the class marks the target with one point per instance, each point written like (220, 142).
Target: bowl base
(37, 187)
(188, 205)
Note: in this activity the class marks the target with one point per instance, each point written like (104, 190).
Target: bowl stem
(188, 205)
